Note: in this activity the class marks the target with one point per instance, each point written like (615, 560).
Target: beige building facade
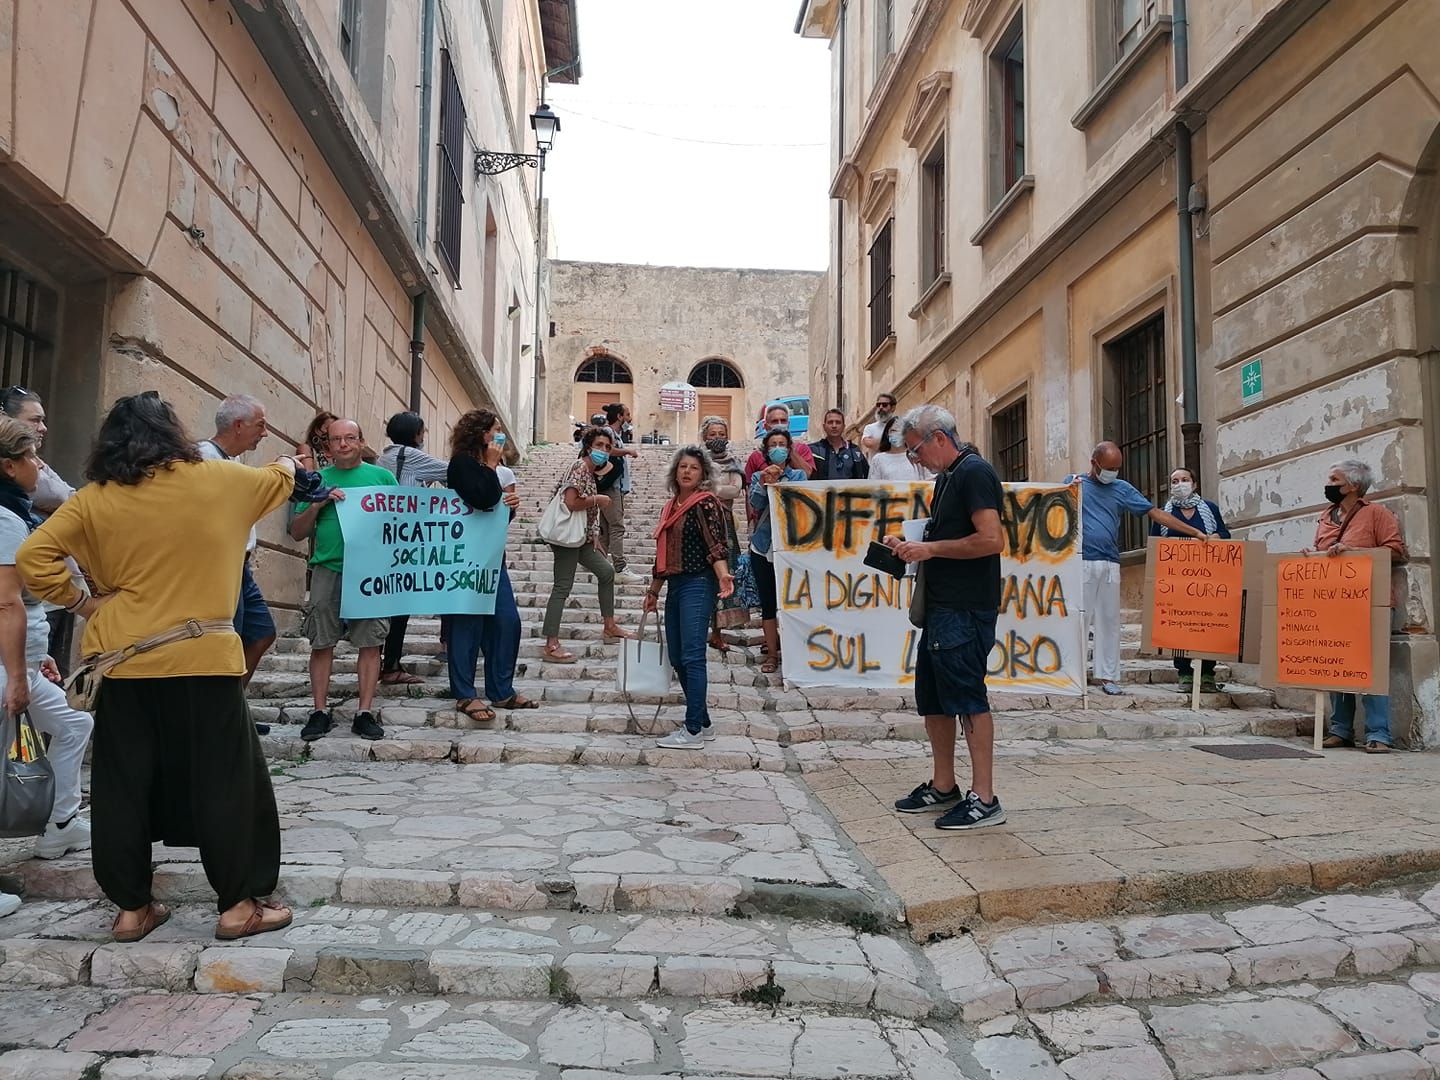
(1035, 202)
(204, 197)
(621, 332)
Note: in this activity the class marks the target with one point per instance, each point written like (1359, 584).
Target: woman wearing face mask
(781, 467)
(891, 462)
(731, 611)
(1347, 524)
(1186, 504)
(580, 494)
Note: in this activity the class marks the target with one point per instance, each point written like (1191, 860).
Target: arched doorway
(721, 390)
(602, 379)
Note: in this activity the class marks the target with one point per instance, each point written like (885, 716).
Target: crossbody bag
(83, 685)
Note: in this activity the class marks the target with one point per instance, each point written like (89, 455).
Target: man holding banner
(959, 603)
(322, 617)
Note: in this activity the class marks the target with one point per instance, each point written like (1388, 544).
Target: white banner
(845, 624)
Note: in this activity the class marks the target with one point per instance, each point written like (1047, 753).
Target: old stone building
(206, 197)
(620, 332)
(1208, 230)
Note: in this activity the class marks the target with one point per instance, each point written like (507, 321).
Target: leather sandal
(474, 709)
(156, 915)
(400, 677)
(256, 923)
(519, 701)
(1374, 747)
(1332, 742)
(770, 665)
(556, 654)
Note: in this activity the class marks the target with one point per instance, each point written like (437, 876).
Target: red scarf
(669, 532)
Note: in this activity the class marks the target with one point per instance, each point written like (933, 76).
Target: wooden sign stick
(1195, 689)
(1320, 697)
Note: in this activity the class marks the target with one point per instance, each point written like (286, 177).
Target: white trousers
(69, 731)
(1102, 618)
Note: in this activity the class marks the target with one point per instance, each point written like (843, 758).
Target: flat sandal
(156, 915)
(255, 924)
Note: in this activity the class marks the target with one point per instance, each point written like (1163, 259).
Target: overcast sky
(640, 172)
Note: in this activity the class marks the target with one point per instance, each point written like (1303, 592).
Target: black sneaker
(317, 727)
(262, 729)
(973, 814)
(367, 727)
(925, 798)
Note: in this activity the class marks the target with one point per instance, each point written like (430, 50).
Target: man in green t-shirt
(323, 625)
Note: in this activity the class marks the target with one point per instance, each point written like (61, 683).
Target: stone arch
(717, 372)
(601, 378)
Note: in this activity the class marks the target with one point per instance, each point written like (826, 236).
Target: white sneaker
(626, 577)
(58, 842)
(9, 904)
(708, 733)
(680, 740)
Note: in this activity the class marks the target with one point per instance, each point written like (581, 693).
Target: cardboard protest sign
(418, 551)
(845, 624)
(1203, 600)
(1327, 622)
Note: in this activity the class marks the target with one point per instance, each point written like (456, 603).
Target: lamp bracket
(492, 162)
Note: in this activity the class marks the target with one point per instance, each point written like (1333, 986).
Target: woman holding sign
(781, 466)
(692, 552)
(475, 474)
(1351, 524)
(1186, 504)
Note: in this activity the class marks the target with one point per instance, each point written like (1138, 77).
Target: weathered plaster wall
(662, 321)
(1316, 169)
(161, 181)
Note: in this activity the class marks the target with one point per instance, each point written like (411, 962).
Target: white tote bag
(644, 669)
(560, 525)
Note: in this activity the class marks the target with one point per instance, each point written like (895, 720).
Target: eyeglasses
(343, 438)
(913, 453)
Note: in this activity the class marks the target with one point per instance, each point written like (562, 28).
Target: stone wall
(661, 321)
(1319, 184)
(196, 217)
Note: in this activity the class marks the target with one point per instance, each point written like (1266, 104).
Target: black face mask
(1332, 493)
(716, 446)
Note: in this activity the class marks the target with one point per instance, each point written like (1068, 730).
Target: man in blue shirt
(1103, 498)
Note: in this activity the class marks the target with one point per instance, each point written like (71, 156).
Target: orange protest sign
(1196, 594)
(1327, 622)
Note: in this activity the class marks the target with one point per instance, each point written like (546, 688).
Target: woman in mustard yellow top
(176, 758)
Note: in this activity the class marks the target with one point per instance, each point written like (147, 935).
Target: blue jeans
(497, 636)
(1377, 716)
(689, 604)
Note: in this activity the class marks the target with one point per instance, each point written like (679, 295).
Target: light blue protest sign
(418, 551)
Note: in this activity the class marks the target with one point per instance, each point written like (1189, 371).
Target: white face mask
(1182, 489)
(1108, 476)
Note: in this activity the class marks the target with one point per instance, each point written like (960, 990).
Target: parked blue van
(799, 407)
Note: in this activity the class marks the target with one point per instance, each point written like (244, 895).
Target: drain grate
(1255, 751)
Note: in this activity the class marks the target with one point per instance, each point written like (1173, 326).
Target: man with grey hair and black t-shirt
(960, 575)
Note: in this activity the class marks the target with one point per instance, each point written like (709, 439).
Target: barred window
(932, 239)
(452, 153)
(715, 373)
(603, 369)
(1010, 438)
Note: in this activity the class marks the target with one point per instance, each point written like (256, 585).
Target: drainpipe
(417, 348)
(1184, 180)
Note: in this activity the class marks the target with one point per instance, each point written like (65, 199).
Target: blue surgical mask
(1108, 476)
(896, 440)
(778, 455)
(599, 457)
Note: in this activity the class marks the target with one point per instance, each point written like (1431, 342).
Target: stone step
(350, 949)
(520, 837)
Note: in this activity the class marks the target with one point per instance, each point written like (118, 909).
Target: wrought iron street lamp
(545, 124)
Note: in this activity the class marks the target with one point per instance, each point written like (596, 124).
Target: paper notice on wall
(845, 624)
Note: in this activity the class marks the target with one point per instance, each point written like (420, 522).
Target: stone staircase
(762, 722)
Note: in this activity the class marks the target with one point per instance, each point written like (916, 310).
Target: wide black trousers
(177, 760)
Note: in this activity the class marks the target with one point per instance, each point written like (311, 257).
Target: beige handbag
(83, 685)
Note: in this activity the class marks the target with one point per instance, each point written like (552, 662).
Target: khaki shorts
(323, 625)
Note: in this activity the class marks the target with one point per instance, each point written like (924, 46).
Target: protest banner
(1327, 622)
(418, 551)
(1202, 600)
(845, 624)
